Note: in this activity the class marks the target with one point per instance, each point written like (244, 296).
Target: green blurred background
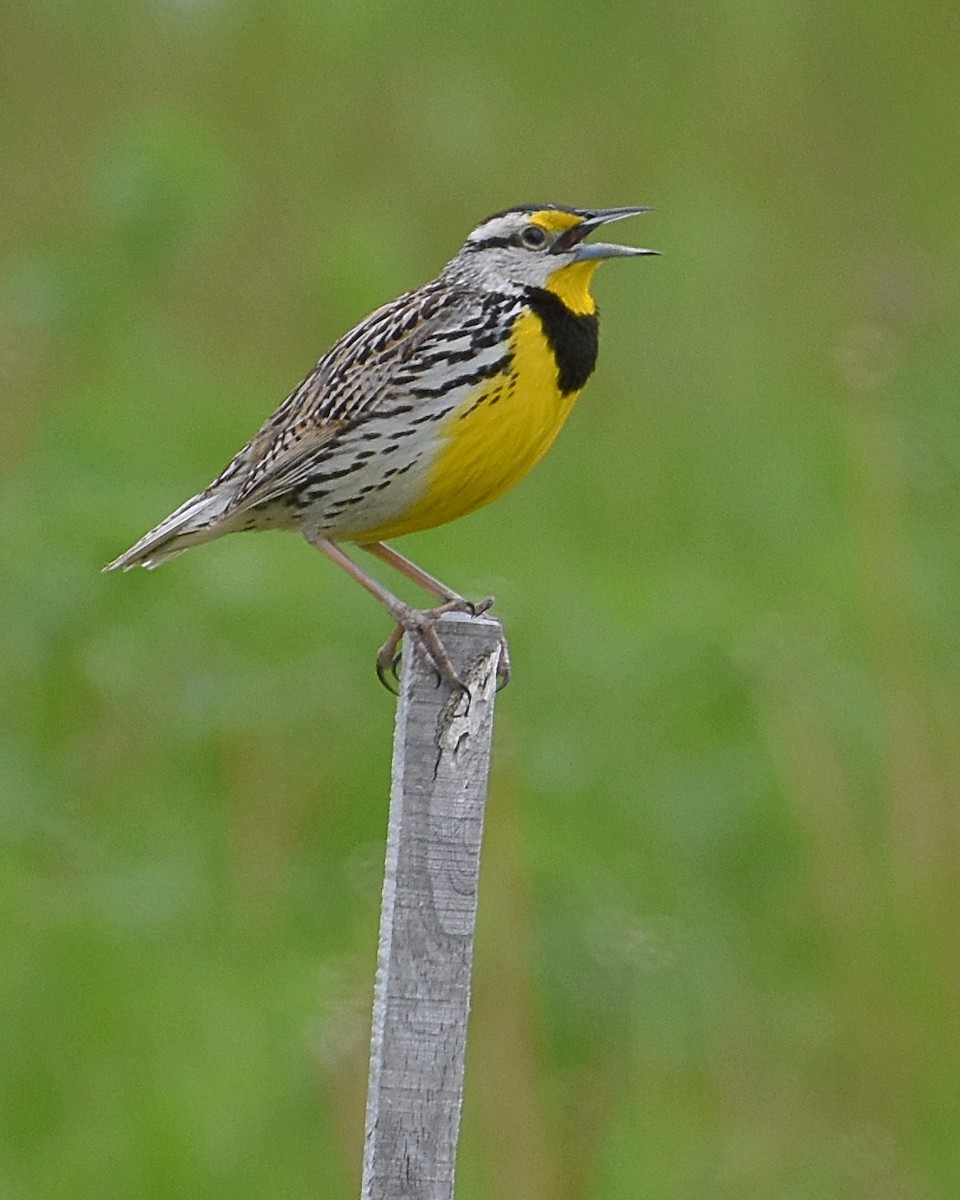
(719, 952)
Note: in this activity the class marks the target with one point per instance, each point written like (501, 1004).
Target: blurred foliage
(718, 955)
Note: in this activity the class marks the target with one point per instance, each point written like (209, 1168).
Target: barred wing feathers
(367, 371)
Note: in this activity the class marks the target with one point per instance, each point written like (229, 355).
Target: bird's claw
(418, 626)
(388, 661)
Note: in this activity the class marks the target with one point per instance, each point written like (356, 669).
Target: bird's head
(541, 246)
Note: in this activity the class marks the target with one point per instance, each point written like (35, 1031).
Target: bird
(433, 406)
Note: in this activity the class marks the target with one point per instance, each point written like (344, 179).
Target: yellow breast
(502, 429)
(498, 433)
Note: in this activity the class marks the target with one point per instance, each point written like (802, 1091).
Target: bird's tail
(197, 520)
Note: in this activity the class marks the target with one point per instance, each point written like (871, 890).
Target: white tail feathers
(195, 521)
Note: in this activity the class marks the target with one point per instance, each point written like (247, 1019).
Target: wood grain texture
(440, 765)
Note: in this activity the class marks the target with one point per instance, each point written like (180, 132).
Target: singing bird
(431, 407)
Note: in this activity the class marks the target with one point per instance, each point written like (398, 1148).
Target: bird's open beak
(573, 238)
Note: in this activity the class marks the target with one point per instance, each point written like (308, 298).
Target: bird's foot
(418, 626)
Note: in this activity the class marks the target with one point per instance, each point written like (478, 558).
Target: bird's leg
(419, 576)
(441, 592)
(418, 624)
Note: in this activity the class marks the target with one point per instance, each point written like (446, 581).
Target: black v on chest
(573, 338)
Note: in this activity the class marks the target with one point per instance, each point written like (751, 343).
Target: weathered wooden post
(441, 759)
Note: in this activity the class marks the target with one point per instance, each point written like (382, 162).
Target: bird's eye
(534, 237)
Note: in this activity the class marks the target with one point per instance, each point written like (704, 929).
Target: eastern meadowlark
(433, 406)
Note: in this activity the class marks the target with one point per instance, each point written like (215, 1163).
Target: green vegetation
(718, 955)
